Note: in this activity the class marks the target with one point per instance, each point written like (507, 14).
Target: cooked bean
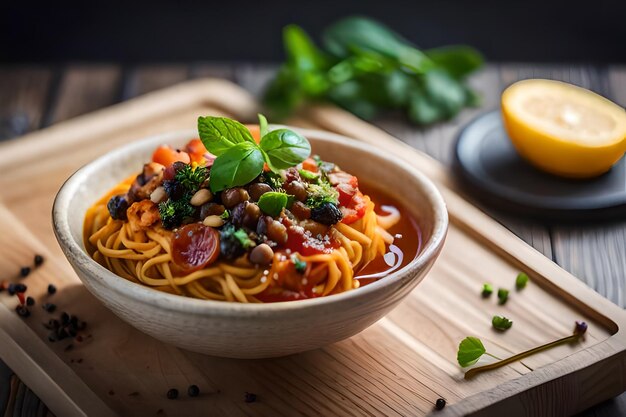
(200, 197)
(237, 213)
(234, 196)
(251, 215)
(158, 195)
(261, 226)
(297, 189)
(211, 209)
(256, 190)
(262, 254)
(276, 231)
(300, 210)
(213, 221)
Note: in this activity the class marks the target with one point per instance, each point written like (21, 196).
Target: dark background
(141, 31)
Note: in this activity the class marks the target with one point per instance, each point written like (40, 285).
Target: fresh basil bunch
(366, 67)
(239, 158)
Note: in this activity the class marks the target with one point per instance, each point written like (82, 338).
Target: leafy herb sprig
(471, 349)
(239, 158)
(365, 67)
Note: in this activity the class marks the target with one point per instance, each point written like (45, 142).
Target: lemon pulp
(563, 129)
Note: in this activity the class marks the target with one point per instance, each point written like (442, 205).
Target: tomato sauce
(408, 242)
(408, 236)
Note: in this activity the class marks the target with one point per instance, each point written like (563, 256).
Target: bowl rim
(190, 305)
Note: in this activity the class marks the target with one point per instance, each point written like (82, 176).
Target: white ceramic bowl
(251, 330)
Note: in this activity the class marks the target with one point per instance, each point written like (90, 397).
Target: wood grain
(381, 371)
(23, 93)
(144, 79)
(86, 88)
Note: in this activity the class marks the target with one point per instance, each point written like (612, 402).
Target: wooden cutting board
(399, 366)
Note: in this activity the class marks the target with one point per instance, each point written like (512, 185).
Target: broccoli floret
(191, 177)
(234, 242)
(320, 194)
(173, 212)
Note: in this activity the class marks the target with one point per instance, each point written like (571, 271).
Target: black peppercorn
(172, 394)
(193, 391)
(20, 288)
(11, 289)
(51, 289)
(49, 307)
(65, 318)
(22, 310)
(24, 271)
(30, 301)
(250, 397)
(38, 260)
(440, 403)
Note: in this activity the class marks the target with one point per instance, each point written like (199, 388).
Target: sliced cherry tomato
(166, 156)
(195, 246)
(309, 164)
(196, 150)
(355, 210)
(346, 193)
(342, 177)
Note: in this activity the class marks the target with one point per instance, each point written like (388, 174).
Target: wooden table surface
(34, 97)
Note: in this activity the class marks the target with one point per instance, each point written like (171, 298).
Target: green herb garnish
(284, 148)
(308, 175)
(239, 158)
(501, 323)
(191, 178)
(225, 215)
(503, 295)
(471, 349)
(487, 290)
(274, 179)
(273, 202)
(299, 264)
(365, 67)
(321, 193)
(243, 238)
(521, 280)
(173, 212)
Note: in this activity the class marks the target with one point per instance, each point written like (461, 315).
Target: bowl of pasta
(249, 241)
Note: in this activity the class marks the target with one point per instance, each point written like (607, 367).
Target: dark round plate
(487, 162)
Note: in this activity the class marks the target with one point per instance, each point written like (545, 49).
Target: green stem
(474, 371)
(493, 356)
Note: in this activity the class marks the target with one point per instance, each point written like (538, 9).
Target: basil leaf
(284, 148)
(272, 203)
(262, 125)
(369, 35)
(458, 60)
(218, 134)
(237, 166)
(470, 350)
(301, 51)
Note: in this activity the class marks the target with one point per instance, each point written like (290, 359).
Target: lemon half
(564, 129)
